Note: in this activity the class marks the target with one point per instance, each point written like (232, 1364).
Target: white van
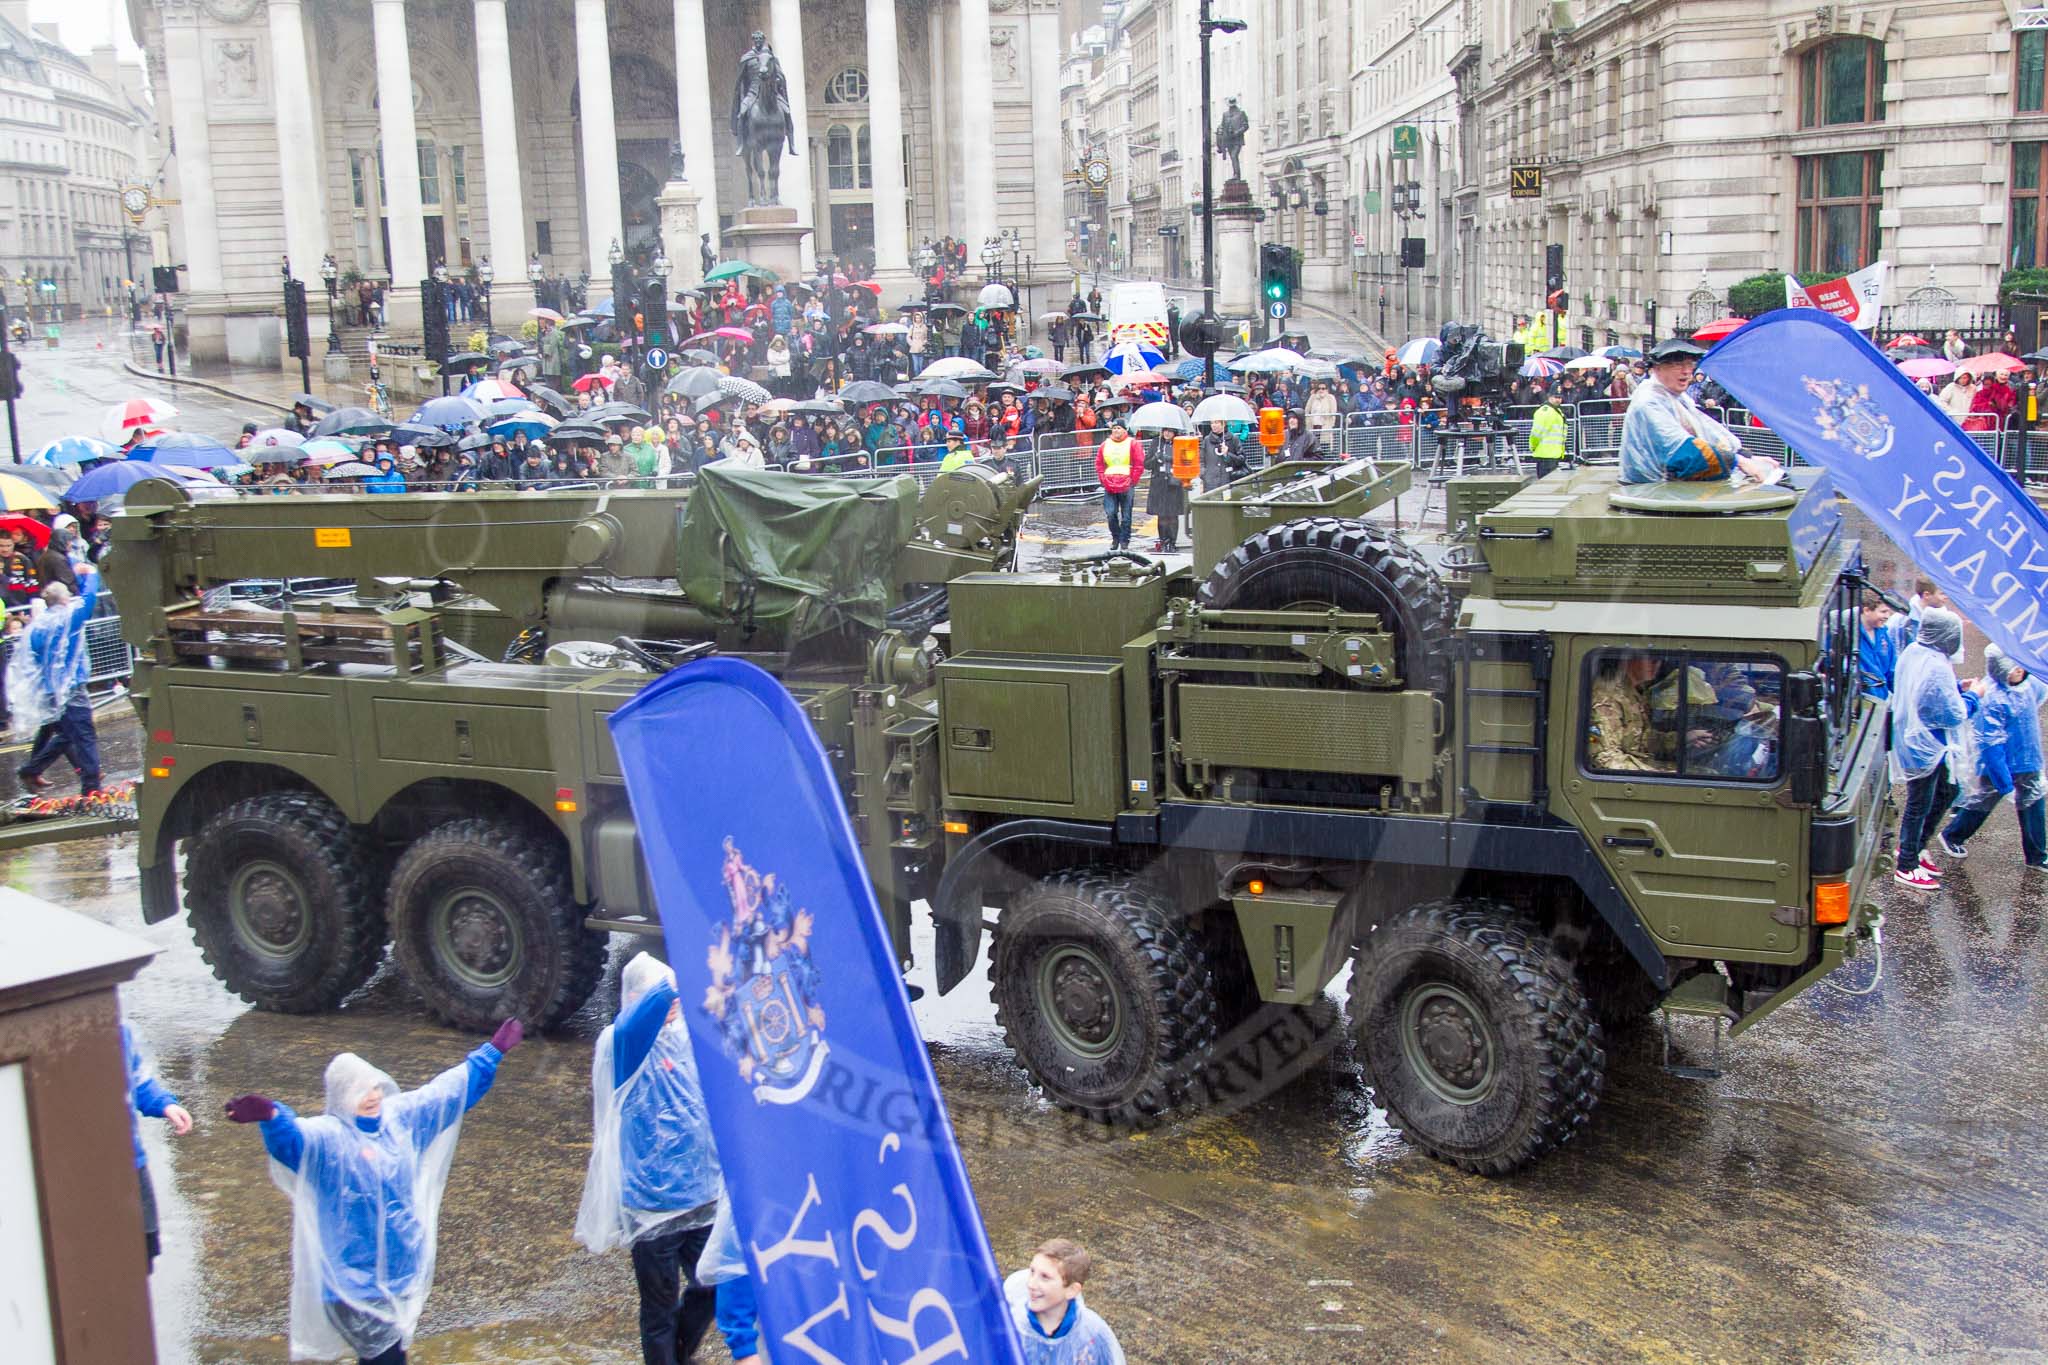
(1137, 312)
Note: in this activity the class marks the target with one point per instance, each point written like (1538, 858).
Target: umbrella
(1129, 356)
(1106, 404)
(1926, 367)
(544, 314)
(1085, 316)
(938, 308)
(556, 403)
(1718, 328)
(1910, 352)
(1053, 316)
(912, 306)
(72, 450)
(312, 404)
(1191, 369)
(913, 389)
(887, 329)
(578, 431)
(700, 355)
(1224, 407)
(513, 364)
(352, 469)
(475, 441)
(506, 407)
(451, 412)
(779, 407)
(617, 412)
(945, 388)
(694, 383)
(136, 414)
(995, 296)
(871, 286)
(867, 391)
(587, 382)
(99, 484)
(1420, 351)
(956, 367)
(1995, 363)
(19, 495)
(426, 438)
(35, 532)
(1563, 353)
(712, 400)
(1159, 417)
(468, 360)
(490, 391)
(1039, 365)
(507, 346)
(326, 450)
(1273, 360)
(186, 449)
(726, 270)
(1620, 353)
(275, 438)
(600, 311)
(1584, 362)
(352, 422)
(1053, 393)
(1909, 339)
(1085, 367)
(1538, 367)
(823, 407)
(745, 389)
(534, 424)
(729, 333)
(571, 324)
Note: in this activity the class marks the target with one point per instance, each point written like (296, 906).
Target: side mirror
(1806, 738)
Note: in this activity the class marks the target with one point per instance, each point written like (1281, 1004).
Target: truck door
(1676, 776)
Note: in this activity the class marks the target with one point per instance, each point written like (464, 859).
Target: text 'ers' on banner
(860, 1229)
(1947, 505)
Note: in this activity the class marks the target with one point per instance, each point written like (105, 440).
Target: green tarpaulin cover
(795, 554)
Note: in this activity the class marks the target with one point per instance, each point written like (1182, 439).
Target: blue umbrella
(1130, 355)
(73, 450)
(97, 485)
(186, 448)
(599, 310)
(1192, 369)
(535, 424)
(451, 412)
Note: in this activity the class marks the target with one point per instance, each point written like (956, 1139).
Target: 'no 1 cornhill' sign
(1525, 182)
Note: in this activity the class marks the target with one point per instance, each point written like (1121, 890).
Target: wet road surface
(1864, 1183)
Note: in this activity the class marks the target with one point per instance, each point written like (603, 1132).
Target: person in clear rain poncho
(1056, 1327)
(365, 1180)
(653, 1182)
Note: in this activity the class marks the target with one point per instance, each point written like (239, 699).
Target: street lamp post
(330, 272)
(1209, 25)
(484, 276)
(534, 275)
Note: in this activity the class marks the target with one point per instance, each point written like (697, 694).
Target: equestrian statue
(761, 124)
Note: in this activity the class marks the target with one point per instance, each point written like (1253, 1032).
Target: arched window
(1841, 81)
(850, 86)
(839, 170)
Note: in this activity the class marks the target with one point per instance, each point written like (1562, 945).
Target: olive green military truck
(1600, 750)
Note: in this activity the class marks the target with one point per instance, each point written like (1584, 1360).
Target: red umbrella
(1907, 340)
(27, 528)
(733, 333)
(870, 286)
(1718, 328)
(589, 382)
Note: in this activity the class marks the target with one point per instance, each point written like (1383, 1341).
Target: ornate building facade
(543, 127)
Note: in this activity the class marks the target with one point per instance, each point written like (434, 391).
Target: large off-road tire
(1321, 562)
(283, 897)
(1475, 1036)
(1621, 993)
(1103, 994)
(484, 925)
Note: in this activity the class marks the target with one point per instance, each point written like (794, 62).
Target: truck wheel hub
(477, 939)
(270, 909)
(1077, 997)
(1448, 1043)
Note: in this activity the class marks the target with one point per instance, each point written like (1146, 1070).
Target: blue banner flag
(859, 1226)
(1946, 504)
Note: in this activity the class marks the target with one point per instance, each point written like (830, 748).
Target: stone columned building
(544, 128)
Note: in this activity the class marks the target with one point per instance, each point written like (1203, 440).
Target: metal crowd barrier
(108, 658)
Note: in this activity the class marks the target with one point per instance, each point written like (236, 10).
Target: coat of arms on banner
(1848, 417)
(764, 987)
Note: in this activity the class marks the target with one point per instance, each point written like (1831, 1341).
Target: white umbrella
(1591, 362)
(995, 296)
(1272, 360)
(276, 438)
(1420, 351)
(1159, 417)
(956, 367)
(1224, 407)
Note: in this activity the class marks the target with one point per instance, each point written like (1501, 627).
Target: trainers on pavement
(1951, 848)
(1929, 866)
(34, 781)
(1918, 880)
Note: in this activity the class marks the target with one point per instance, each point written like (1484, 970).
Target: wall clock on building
(1097, 172)
(135, 199)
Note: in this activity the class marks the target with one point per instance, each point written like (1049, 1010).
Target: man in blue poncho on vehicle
(1667, 438)
(53, 690)
(653, 1181)
(365, 1180)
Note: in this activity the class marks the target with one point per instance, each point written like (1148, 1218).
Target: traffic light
(1558, 301)
(1553, 267)
(622, 299)
(654, 311)
(297, 345)
(10, 376)
(434, 319)
(1202, 335)
(1276, 273)
(164, 278)
(1413, 250)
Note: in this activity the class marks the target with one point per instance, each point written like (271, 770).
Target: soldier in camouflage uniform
(1622, 737)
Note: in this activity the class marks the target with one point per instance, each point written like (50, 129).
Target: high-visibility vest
(1546, 434)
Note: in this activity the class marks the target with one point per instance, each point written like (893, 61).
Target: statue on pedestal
(761, 123)
(1230, 138)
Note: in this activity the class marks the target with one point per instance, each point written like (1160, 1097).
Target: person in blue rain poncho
(2008, 752)
(1056, 1327)
(149, 1097)
(1927, 711)
(365, 1179)
(1666, 436)
(46, 686)
(653, 1181)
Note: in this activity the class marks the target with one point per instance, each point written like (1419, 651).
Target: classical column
(603, 221)
(505, 208)
(305, 203)
(937, 44)
(977, 129)
(885, 140)
(198, 208)
(786, 21)
(1048, 172)
(400, 137)
(700, 136)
